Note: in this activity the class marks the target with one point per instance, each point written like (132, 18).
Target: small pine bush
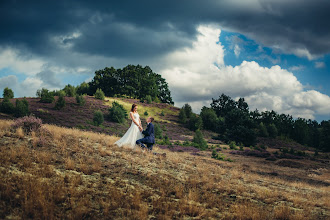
(232, 145)
(188, 110)
(70, 90)
(22, 108)
(45, 96)
(158, 131)
(148, 99)
(60, 103)
(80, 100)
(199, 140)
(162, 113)
(146, 113)
(28, 124)
(195, 122)
(98, 118)
(8, 93)
(99, 94)
(117, 113)
(7, 107)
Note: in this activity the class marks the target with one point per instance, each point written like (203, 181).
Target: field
(67, 173)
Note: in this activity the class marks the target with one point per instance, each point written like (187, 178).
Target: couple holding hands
(135, 135)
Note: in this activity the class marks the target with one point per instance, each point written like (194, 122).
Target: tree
(187, 109)
(272, 131)
(209, 118)
(182, 116)
(199, 140)
(8, 93)
(82, 89)
(133, 81)
(325, 136)
(117, 113)
(195, 122)
(45, 96)
(70, 90)
(6, 106)
(263, 130)
(99, 94)
(223, 105)
(60, 103)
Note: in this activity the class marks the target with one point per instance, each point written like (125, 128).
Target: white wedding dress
(131, 135)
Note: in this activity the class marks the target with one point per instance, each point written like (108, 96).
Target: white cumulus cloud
(198, 74)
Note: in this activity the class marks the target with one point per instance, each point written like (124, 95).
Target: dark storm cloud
(150, 28)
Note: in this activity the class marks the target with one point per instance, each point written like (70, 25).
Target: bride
(134, 132)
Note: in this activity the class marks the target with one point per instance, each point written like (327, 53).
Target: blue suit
(149, 137)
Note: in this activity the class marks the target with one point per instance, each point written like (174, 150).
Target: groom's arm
(147, 132)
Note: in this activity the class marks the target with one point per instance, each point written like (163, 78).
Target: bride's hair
(133, 106)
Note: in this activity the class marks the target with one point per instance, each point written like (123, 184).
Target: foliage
(45, 95)
(199, 140)
(232, 145)
(80, 100)
(7, 107)
(22, 108)
(148, 99)
(117, 113)
(220, 156)
(8, 93)
(182, 116)
(82, 89)
(158, 131)
(70, 90)
(209, 118)
(272, 130)
(162, 113)
(99, 94)
(60, 103)
(187, 109)
(195, 122)
(263, 130)
(146, 113)
(132, 81)
(28, 123)
(98, 118)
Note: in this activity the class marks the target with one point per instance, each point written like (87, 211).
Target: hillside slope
(59, 173)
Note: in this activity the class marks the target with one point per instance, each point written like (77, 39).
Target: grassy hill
(72, 170)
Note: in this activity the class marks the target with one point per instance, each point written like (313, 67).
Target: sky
(274, 53)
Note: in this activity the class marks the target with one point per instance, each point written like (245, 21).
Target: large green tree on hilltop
(133, 81)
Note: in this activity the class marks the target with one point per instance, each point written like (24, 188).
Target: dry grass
(82, 175)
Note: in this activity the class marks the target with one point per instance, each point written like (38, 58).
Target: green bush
(82, 89)
(199, 140)
(209, 118)
(45, 95)
(272, 130)
(187, 110)
(263, 130)
(8, 93)
(99, 94)
(158, 131)
(22, 108)
(7, 107)
(146, 113)
(98, 118)
(60, 103)
(117, 113)
(195, 122)
(80, 100)
(162, 113)
(148, 99)
(232, 145)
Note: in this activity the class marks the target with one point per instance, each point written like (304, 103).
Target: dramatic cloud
(196, 74)
(145, 28)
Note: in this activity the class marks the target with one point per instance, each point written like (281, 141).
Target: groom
(149, 136)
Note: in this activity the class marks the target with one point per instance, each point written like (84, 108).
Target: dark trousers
(142, 143)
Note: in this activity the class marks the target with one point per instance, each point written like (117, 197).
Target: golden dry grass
(82, 175)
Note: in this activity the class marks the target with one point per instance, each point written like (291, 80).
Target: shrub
(117, 113)
(69, 90)
(220, 156)
(187, 110)
(80, 100)
(8, 93)
(22, 108)
(99, 94)
(60, 103)
(272, 131)
(45, 95)
(28, 124)
(158, 131)
(195, 122)
(148, 99)
(83, 88)
(182, 116)
(232, 145)
(199, 140)
(146, 113)
(162, 113)
(7, 107)
(263, 130)
(98, 118)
